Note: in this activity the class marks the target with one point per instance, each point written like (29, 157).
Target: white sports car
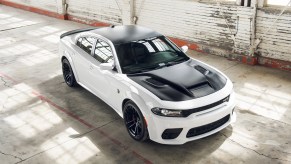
(160, 92)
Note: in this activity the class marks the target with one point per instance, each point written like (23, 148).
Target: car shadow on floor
(109, 134)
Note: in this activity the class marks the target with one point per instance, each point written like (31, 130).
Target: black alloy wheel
(135, 122)
(68, 73)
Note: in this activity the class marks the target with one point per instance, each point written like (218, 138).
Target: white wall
(201, 23)
(276, 43)
(50, 5)
(106, 11)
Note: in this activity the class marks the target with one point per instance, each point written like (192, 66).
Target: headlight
(167, 112)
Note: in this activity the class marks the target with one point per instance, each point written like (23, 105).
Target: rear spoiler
(77, 31)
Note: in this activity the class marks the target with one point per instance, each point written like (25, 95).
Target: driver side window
(103, 52)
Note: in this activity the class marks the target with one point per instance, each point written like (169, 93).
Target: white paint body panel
(111, 81)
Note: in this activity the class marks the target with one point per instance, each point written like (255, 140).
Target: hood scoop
(158, 80)
(202, 89)
(154, 83)
(201, 69)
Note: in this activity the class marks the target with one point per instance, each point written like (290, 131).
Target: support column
(262, 3)
(133, 17)
(62, 7)
(253, 46)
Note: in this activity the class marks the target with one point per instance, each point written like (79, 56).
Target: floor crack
(255, 151)
(17, 27)
(81, 135)
(5, 82)
(12, 156)
(231, 67)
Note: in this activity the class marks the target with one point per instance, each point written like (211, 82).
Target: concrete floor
(44, 121)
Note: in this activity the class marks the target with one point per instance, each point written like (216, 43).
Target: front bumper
(159, 123)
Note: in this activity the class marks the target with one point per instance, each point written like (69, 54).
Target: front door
(99, 80)
(82, 59)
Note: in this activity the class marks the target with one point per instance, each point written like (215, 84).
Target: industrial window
(148, 46)
(278, 2)
(161, 46)
(86, 43)
(103, 52)
(79, 42)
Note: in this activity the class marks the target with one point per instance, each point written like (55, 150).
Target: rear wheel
(68, 73)
(134, 121)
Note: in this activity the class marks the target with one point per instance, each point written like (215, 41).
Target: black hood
(180, 82)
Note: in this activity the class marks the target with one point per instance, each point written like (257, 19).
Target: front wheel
(135, 122)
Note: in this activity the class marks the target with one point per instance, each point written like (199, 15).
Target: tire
(68, 73)
(134, 122)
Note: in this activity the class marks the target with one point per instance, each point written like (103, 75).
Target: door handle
(91, 67)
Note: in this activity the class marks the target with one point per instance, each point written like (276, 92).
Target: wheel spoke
(129, 122)
(131, 125)
(139, 124)
(135, 129)
(68, 77)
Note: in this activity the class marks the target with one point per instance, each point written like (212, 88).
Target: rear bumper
(202, 119)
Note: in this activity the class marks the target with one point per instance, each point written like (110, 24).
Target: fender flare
(67, 55)
(144, 108)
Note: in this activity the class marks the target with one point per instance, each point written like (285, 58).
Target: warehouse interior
(44, 121)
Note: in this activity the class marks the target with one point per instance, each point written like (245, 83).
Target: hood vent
(202, 89)
(201, 69)
(154, 82)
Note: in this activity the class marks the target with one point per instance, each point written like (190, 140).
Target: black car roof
(125, 34)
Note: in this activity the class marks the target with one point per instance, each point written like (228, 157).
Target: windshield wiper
(146, 69)
(170, 63)
(160, 65)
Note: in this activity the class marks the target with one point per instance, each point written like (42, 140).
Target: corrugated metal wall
(198, 22)
(100, 10)
(275, 42)
(50, 5)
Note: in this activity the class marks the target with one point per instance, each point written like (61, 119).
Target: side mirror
(184, 49)
(106, 66)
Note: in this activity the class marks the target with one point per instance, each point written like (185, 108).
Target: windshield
(148, 54)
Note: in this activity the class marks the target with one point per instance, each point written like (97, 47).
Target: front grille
(207, 128)
(186, 113)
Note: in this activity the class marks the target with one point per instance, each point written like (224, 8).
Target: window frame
(93, 49)
(86, 36)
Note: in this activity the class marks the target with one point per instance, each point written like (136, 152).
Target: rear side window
(103, 52)
(86, 43)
